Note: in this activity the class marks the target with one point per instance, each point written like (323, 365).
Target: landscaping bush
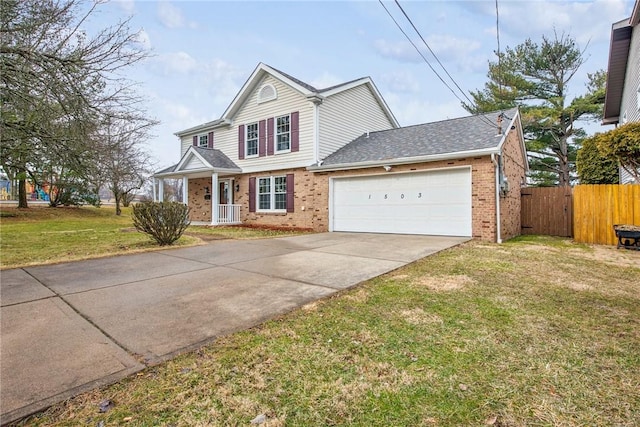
(164, 221)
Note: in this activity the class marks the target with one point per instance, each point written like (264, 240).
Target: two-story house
(287, 154)
(622, 99)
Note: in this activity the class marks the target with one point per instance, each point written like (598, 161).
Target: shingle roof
(216, 158)
(312, 88)
(300, 82)
(166, 170)
(449, 136)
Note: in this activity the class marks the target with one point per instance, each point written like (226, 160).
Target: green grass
(537, 333)
(43, 235)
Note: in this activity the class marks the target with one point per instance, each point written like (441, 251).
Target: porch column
(161, 190)
(154, 189)
(214, 199)
(185, 190)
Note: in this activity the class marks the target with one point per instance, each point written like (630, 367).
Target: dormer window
(203, 141)
(267, 93)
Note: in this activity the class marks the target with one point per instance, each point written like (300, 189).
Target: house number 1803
(386, 196)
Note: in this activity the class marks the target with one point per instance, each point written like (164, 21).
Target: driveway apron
(71, 327)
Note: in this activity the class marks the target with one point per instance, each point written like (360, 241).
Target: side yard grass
(537, 331)
(43, 235)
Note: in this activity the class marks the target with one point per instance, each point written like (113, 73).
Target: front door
(223, 192)
(225, 199)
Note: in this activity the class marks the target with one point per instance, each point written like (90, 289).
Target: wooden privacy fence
(597, 208)
(547, 210)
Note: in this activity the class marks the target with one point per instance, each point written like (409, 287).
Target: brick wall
(514, 170)
(302, 217)
(200, 208)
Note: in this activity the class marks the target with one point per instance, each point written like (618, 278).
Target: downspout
(497, 175)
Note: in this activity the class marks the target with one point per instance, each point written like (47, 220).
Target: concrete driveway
(71, 327)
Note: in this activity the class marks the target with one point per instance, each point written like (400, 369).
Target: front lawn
(537, 331)
(44, 235)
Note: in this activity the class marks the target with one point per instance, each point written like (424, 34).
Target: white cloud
(402, 51)
(127, 6)
(326, 80)
(400, 81)
(463, 54)
(142, 38)
(584, 21)
(176, 62)
(410, 110)
(172, 17)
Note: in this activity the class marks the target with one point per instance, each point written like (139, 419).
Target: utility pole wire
(482, 117)
(432, 52)
(498, 39)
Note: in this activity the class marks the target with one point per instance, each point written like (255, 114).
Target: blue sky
(205, 50)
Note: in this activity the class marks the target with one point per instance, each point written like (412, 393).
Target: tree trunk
(22, 193)
(118, 196)
(564, 177)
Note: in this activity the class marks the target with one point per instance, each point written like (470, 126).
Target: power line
(432, 52)
(498, 39)
(471, 103)
(419, 52)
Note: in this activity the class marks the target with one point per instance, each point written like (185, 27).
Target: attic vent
(267, 93)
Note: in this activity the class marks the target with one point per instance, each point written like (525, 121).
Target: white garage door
(435, 203)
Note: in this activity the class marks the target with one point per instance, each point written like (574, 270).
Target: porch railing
(228, 214)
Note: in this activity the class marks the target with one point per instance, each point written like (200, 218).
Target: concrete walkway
(71, 327)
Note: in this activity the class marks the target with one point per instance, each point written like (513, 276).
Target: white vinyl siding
(364, 114)
(630, 94)
(193, 163)
(185, 143)
(289, 100)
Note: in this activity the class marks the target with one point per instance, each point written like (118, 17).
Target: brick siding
(311, 199)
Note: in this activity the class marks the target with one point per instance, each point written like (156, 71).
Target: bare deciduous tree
(58, 81)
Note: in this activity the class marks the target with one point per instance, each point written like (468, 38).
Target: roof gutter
(405, 160)
(195, 171)
(205, 126)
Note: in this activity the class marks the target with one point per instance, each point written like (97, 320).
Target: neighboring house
(287, 154)
(622, 100)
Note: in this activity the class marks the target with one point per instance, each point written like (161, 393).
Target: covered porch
(208, 186)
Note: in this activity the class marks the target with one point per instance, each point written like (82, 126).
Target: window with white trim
(203, 141)
(283, 133)
(251, 140)
(272, 193)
